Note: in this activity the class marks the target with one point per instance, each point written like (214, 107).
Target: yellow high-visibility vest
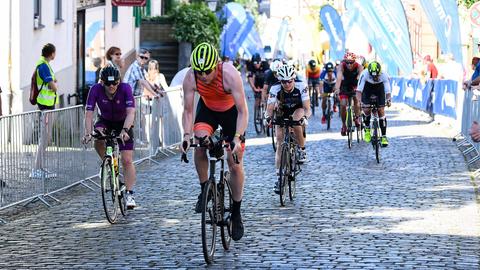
(46, 96)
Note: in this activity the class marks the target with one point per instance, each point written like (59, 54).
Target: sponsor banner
(397, 84)
(235, 15)
(445, 98)
(333, 25)
(443, 17)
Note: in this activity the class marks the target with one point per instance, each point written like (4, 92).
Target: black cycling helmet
(329, 66)
(110, 75)
(312, 63)
(256, 58)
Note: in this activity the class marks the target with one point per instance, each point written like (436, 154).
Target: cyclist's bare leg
(343, 108)
(382, 120)
(356, 106)
(128, 169)
(317, 87)
(367, 112)
(200, 157)
(237, 175)
(298, 130)
(279, 132)
(99, 145)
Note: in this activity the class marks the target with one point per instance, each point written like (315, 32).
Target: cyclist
(347, 79)
(374, 82)
(328, 78)
(291, 98)
(256, 77)
(312, 73)
(222, 102)
(271, 76)
(116, 111)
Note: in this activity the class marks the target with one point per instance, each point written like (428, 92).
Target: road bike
(217, 200)
(375, 131)
(113, 190)
(329, 110)
(289, 167)
(313, 99)
(258, 119)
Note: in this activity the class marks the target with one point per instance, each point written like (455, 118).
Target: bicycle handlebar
(206, 142)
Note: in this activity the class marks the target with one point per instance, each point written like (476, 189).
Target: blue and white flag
(333, 25)
(236, 17)
(443, 17)
(385, 25)
(281, 39)
(445, 100)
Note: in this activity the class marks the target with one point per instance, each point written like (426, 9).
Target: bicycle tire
(294, 167)
(262, 123)
(274, 138)
(256, 123)
(227, 200)
(377, 147)
(349, 127)
(284, 173)
(209, 224)
(108, 189)
(328, 113)
(122, 198)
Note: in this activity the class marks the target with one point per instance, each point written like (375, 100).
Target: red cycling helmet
(349, 56)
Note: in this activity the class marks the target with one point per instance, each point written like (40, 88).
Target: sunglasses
(107, 83)
(206, 72)
(286, 81)
(256, 63)
(119, 53)
(349, 62)
(143, 57)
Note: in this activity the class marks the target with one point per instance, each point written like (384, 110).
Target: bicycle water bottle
(115, 165)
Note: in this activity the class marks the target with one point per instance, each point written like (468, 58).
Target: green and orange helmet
(204, 57)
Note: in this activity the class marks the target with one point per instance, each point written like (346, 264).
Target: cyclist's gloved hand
(303, 121)
(86, 138)
(185, 143)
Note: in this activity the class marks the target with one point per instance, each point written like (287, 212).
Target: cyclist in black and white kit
(374, 82)
(291, 98)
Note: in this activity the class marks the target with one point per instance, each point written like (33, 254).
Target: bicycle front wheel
(377, 146)
(226, 195)
(209, 222)
(109, 190)
(274, 138)
(284, 173)
(257, 119)
(349, 127)
(294, 169)
(328, 113)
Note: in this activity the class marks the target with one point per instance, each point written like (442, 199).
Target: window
(58, 11)
(114, 14)
(37, 14)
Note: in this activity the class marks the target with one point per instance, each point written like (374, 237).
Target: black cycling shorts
(371, 89)
(209, 120)
(117, 126)
(313, 82)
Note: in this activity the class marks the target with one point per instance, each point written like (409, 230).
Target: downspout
(10, 100)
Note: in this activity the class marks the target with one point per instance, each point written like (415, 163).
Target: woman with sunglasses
(291, 98)
(116, 111)
(114, 57)
(348, 73)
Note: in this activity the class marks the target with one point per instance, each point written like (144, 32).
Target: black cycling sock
(303, 148)
(202, 185)
(383, 126)
(236, 207)
(130, 192)
(366, 120)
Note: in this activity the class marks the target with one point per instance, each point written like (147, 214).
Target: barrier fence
(41, 151)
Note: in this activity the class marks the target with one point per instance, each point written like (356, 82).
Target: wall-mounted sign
(130, 3)
(83, 4)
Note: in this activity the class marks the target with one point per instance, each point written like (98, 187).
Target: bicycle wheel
(284, 173)
(294, 167)
(377, 146)
(328, 113)
(312, 103)
(226, 194)
(260, 117)
(109, 196)
(257, 119)
(209, 223)
(349, 127)
(122, 198)
(315, 98)
(274, 138)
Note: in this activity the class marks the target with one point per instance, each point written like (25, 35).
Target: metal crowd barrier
(41, 152)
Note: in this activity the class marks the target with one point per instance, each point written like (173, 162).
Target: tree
(467, 3)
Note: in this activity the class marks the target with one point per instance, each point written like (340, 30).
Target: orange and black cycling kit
(215, 107)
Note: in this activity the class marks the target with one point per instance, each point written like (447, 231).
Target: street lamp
(212, 5)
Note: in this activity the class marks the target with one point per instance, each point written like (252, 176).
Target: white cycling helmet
(275, 65)
(286, 72)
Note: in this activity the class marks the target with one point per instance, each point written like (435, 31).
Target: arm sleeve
(92, 98)
(323, 74)
(129, 100)
(304, 92)
(272, 96)
(361, 82)
(44, 73)
(386, 83)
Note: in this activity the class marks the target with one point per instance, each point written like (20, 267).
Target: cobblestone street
(416, 209)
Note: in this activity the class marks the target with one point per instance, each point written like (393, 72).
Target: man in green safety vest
(46, 100)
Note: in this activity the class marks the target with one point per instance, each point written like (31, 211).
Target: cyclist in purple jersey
(116, 111)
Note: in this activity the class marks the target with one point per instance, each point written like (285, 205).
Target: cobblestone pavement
(416, 209)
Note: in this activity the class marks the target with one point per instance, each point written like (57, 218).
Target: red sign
(129, 3)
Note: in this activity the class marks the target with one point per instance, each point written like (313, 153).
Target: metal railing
(41, 151)
(470, 113)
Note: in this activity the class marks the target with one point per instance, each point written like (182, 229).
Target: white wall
(121, 34)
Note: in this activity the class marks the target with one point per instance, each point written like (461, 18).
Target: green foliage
(467, 3)
(195, 23)
(158, 19)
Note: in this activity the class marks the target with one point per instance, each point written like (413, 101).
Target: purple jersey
(114, 109)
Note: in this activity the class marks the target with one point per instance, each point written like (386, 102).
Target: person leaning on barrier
(135, 75)
(116, 107)
(475, 80)
(46, 100)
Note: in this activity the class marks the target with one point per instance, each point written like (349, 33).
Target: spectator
(46, 100)
(475, 80)
(97, 63)
(432, 72)
(114, 57)
(156, 79)
(135, 75)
